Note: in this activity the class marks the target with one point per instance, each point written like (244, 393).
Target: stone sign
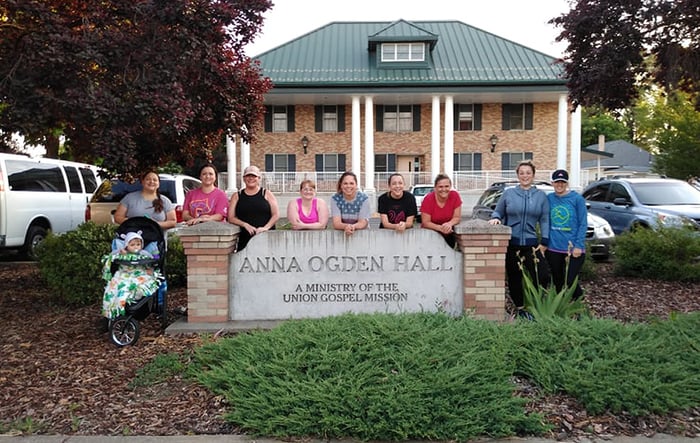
(311, 274)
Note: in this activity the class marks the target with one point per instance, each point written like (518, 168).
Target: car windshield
(670, 193)
(421, 191)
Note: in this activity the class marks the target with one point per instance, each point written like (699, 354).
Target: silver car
(599, 235)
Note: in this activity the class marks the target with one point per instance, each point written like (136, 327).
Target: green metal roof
(343, 54)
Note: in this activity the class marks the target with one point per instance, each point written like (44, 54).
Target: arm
(499, 212)
(170, 220)
(232, 215)
(293, 215)
(274, 210)
(580, 239)
(120, 214)
(336, 218)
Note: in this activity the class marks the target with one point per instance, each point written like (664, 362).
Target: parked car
(38, 195)
(629, 203)
(107, 197)
(420, 191)
(599, 235)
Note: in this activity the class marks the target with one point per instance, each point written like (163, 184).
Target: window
(279, 118)
(467, 161)
(509, 160)
(618, 191)
(398, 118)
(31, 176)
(517, 116)
(88, 179)
(280, 162)
(597, 193)
(73, 179)
(467, 117)
(384, 162)
(403, 52)
(330, 162)
(329, 118)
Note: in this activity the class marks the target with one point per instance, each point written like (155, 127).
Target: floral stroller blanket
(135, 279)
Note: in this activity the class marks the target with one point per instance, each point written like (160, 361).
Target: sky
(521, 21)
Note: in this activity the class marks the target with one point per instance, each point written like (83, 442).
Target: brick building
(419, 97)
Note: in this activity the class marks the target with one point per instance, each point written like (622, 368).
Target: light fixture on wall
(305, 143)
(494, 142)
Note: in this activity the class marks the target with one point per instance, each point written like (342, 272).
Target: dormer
(402, 45)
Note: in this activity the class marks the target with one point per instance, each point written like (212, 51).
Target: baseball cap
(560, 175)
(252, 170)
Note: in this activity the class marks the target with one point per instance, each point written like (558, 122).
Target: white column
(562, 119)
(435, 139)
(369, 144)
(356, 125)
(231, 165)
(449, 137)
(245, 158)
(575, 171)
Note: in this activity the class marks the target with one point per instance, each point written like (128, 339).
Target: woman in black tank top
(253, 208)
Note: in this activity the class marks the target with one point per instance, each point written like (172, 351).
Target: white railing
(288, 182)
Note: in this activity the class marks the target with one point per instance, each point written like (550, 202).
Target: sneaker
(522, 313)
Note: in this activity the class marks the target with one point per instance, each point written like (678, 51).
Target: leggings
(524, 254)
(564, 270)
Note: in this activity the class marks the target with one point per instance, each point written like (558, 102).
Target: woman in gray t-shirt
(147, 203)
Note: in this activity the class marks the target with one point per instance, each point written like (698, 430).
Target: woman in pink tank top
(307, 212)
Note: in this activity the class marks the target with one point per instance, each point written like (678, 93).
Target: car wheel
(35, 235)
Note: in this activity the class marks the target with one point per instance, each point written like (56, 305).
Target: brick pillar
(484, 249)
(208, 247)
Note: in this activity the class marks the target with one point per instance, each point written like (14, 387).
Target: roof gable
(402, 31)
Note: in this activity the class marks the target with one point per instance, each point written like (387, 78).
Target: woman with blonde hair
(307, 211)
(253, 208)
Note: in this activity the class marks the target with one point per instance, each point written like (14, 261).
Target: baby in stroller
(136, 276)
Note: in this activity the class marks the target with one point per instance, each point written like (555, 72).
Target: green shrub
(662, 253)
(71, 263)
(175, 263)
(546, 303)
(433, 377)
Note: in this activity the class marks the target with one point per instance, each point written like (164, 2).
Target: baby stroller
(125, 330)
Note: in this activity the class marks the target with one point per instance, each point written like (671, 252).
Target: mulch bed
(56, 369)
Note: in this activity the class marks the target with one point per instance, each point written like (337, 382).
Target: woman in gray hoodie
(522, 208)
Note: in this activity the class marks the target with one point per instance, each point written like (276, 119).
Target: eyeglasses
(250, 175)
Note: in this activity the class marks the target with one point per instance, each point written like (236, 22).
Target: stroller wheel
(124, 331)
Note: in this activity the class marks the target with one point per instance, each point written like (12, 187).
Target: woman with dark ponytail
(147, 203)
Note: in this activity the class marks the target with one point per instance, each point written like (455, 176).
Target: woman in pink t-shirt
(441, 209)
(207, 203)
(307, 212)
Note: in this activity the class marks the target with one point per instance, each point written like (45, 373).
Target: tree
(669, 125)
(596, 121)
(614, 45)
(131, 84)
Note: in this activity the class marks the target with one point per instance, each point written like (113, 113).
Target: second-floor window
(279, 118)
(403, 52)
(467, 117)
(516, 116)
(398, 118)
(329, 118)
